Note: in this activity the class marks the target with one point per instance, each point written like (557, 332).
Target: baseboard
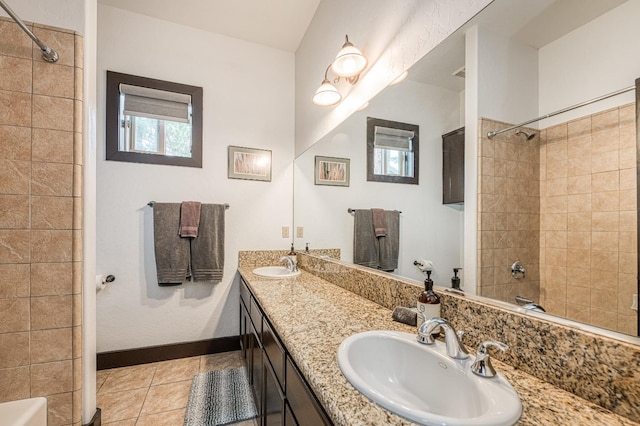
(150, 354)
(97, 419)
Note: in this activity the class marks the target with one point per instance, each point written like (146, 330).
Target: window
(392, 151)
(153, 121)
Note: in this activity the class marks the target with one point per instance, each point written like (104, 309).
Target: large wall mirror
(559, 196)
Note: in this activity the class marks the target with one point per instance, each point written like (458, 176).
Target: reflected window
(392, 151)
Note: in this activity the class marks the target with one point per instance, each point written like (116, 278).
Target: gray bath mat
(220, 398)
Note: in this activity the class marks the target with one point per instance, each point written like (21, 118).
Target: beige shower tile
(605, 162)
(605, 141)
(579, 276)
(16, 143)
(76, 342)
(556, 186)
(15, 349)
(18, 379)
(579, 203)
(556, 257)
(15, 108)
(60, 41)
(52, 179)
(77, 277)
(627, 115)
(578, 312)
(51, 246)
(77, 116)
(51, 212)
(628, 179)
(79, 83)
(77, 180)
(628, 324)
(14, 280)
(51, 279)
(77, 310)
(579, 128)
(605, 221)
(627, 158)
(556, 132)
(553, 222)
(52, 113)
(14, 41)
(628, 137)
(14, 177)
(487, 166)
(579, 240)
(629, 200)
(604, 241)
(128, 378)
(53, 80)
(51, 345)
(48, 312)
(166, 418)
(628, 220)
(628, 263)
(607, 181)
(16, 74)
(628, 242)
(579, 166)
(14, 211)
(14, 246)
(605, 201)
(579, 295)
(557, 169)
(176, 370)
(77, 148)
(119, 406)
(51, 378)
(579, 258)
(579, 184)
(52, 146)
(556, 291)
(77, 245)
(556, 239)
(77, 375)
(604, 300)
(604, 261)
(555, 204)
(77, 213)
(166, 397)
(605, 120)
(59, 409)
(78, 50)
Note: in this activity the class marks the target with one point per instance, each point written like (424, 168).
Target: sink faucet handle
(482, 365)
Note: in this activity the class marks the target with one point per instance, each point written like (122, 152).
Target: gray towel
(207, 250)
(365, 243)
(389, 245)
(172, 252)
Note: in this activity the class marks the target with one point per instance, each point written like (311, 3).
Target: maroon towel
(379, 222)
(189, 219)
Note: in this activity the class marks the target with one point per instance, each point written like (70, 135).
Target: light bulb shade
(327, 95)
(349, 62)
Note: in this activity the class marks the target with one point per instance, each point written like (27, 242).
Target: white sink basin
(275, 272)
(423, 384)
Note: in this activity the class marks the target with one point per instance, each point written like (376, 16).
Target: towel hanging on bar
(151, 203)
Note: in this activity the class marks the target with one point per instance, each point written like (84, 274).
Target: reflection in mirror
(392, 151)
(562, 203)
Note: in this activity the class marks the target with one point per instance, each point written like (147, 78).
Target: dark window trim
(113, 123)
(371, 177)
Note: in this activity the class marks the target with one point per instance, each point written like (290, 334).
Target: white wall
(428, 229)
(392, 34)
(248, 101)
(598, 58)
(69, 14)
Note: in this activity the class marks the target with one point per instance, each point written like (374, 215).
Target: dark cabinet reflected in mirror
(392, 151)
(453, 167)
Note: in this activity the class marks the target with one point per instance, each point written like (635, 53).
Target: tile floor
(155, 394)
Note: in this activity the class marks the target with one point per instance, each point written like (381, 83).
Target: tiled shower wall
(588, 199)
(508, 214)
(40, 220)
(585, 180)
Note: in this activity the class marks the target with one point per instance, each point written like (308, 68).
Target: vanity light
(348, 64)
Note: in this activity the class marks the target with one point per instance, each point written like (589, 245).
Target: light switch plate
(300, 232)
(285, 232)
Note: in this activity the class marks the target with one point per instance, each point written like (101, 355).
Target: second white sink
(423, 384)
(275, 272)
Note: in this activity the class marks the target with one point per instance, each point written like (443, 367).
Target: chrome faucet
(482, 365)
(291, 264)
(455, 348)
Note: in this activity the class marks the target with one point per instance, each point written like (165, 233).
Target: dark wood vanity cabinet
(283, 398)
(453, 167)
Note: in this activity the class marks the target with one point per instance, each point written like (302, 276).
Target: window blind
(154, 103)
(395, 139)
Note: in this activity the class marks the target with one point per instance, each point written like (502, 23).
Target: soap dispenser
(428, 302)
(455, 280)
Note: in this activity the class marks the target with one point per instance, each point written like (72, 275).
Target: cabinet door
(453, 167)
(305, 408)
(256, 370)
(273, 351)
(289, 420)
(273, 398)
(245, 330)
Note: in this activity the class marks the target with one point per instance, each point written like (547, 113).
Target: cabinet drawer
(244, 293)
(256, 317)
(304, 405)
(274, 351)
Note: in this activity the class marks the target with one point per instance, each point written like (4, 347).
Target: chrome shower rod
(490, 135)
(48, 54)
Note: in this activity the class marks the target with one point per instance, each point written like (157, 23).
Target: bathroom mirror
(520, 45)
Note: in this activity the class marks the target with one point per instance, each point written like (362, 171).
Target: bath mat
(220, 398)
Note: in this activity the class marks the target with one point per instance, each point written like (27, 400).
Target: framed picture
(249, 163)
(332, 171)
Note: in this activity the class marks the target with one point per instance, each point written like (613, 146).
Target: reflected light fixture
(348, 64)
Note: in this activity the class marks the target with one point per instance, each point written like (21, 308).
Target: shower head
(528, 135)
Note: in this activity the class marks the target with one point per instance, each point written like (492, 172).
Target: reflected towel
(172, 252)
(189, 219)
(379, 222)
(389, 245)
(365, 245)
(207, 251)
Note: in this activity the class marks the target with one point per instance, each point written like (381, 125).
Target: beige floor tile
(101, 376)
(221, 361)
(127, 378)
(166, 397)
(246, 423)
(128, 422)
(118, 406)
(176, 370)
(166, 418)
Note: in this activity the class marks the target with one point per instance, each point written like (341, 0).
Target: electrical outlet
(634, 303)
(285, 232)
(299, 232)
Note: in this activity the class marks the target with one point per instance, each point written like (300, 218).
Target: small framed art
(332, 171)
(249, 163)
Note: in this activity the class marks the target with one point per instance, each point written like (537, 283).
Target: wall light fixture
(348, 64)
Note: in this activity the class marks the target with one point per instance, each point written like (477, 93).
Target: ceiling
(276, 23)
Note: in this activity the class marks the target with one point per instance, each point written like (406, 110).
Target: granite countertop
(312, 317)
